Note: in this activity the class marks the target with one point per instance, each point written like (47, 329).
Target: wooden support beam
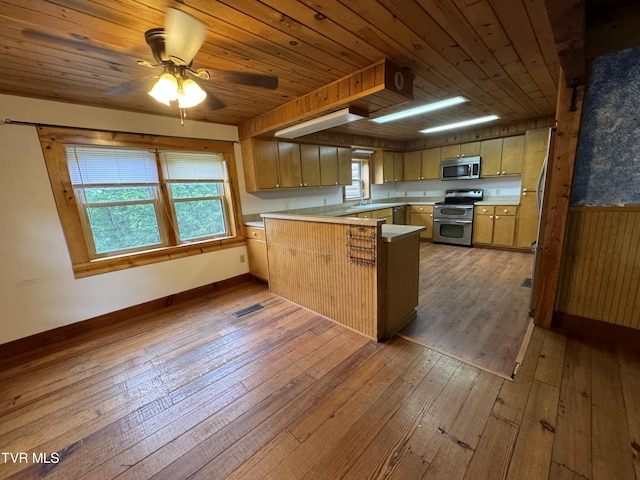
(568, 22)
(555, 207)
(375, 87)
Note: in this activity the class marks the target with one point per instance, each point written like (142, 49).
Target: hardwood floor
(193, 392)
(473, 305)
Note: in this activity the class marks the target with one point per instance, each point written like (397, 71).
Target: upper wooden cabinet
(388, 167)
(502, 156)
(310, 165)
(260, 164)
(344, 166)
(470, 149)
(270, 164)
(422, 165)
(289, 164)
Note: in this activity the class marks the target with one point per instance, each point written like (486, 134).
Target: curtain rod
(9, 121)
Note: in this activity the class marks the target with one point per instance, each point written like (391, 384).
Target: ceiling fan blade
(76, 43)
(184, 36)
(214, 103)
(131, 86)
(243, 78)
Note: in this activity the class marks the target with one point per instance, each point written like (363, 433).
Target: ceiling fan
(173, 48)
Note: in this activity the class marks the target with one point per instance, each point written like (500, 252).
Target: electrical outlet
(241, 258)
(324, 201)
(497, 191)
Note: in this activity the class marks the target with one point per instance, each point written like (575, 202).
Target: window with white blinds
(123, 208)
(111, 166)
(195, 184)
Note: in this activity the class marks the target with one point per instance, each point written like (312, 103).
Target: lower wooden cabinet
(257, 252)
(495, 225)
(422, 215)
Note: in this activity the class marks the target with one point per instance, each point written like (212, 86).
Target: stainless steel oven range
(453, 217)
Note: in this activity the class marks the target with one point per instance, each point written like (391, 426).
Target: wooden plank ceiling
(500, 54)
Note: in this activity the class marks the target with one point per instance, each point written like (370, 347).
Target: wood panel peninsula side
(360, 273)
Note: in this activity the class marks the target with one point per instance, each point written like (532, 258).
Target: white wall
(38, 291)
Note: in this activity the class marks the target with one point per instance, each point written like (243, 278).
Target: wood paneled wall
(309, 265)
(600, 277)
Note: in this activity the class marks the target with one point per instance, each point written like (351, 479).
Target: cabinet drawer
(255, 232)
(421, 208)
(484, 209)
(505, 210)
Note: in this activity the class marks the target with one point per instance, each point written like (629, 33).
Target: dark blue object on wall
(608, 157)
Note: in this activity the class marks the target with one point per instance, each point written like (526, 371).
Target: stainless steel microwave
(464, 168)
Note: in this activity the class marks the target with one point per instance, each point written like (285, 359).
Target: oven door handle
(452, 221)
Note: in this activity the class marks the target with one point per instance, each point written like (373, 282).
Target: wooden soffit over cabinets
(373, 88)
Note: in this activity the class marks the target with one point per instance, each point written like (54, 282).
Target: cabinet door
(512, 155)
(257, 252)
(265, 156)
(471, 149)
(504, 227)
(431, 163)
(534, 152)
(413, 165)
(423, 216)
(328, 165)
(398, 166)
(387, 166)
(289, 164)
(450, 151)
(491, 161)
(527, 224)
(482, 228)
(310, 165)
(344, 166)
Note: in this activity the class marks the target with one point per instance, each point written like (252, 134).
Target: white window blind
(192, 166)
(111, 166)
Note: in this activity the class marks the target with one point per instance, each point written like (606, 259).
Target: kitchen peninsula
(361, 273)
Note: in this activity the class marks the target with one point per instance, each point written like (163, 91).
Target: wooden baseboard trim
(42, 339)
(583, 328)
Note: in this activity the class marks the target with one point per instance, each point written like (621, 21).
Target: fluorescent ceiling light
(361, 151)
(318, 124)
(466, 123)
(449, 102)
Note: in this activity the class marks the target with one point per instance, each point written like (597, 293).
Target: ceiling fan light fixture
(165, 89)
(190, 94)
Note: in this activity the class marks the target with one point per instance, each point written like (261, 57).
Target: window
(195, 184)
(118, 195)
(355, 191)
(137, 202)
(359, 188)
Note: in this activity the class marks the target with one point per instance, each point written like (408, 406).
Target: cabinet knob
(524, 194)
(504, 173)
(506, 210)
(484, 210)
(301, 184)
(497, 217)
(336, 183)
(277, 185)
(253, 233)
(490, 216)
(431, 214)
(524, 189)
(497, 173)
(420, 209)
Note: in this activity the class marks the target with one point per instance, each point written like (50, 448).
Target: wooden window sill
(121, 262)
